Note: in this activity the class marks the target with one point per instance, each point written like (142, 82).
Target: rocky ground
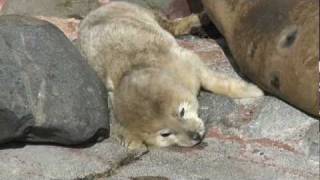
(262, 138)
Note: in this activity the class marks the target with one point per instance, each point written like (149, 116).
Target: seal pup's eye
(165, 132)
(181, 113)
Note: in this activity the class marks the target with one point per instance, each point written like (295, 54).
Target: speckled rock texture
(275, 44)
(57, 8)
(48, 92)
(247, 139)
(171, 8)
(79, 8)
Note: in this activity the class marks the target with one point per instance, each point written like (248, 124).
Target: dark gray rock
(12, 127)
(48, 92)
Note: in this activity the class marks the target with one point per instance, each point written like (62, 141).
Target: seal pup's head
(153, 106)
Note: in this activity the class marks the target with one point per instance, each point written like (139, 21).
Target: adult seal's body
(275, 43)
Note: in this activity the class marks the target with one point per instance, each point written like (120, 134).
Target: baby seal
(153, 81)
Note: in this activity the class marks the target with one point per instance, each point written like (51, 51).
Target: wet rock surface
(48, 92)
(258, 139)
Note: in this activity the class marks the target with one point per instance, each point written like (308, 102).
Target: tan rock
(2, 3)
(69, 26)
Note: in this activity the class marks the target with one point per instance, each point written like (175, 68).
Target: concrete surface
(258, 139)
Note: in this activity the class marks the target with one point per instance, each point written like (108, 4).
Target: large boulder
(275, 44)
(48, 92)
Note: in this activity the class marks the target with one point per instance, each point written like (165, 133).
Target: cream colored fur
(153, 81)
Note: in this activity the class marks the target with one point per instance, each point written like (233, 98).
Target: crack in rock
(131, 157)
